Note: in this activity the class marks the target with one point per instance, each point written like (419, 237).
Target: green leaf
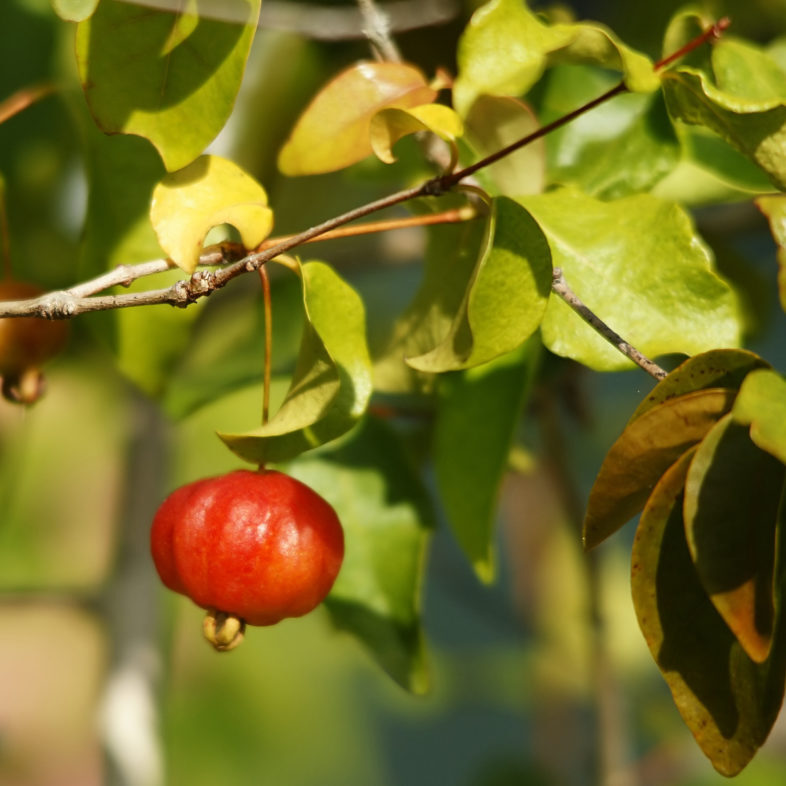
(332, 381)
(731, 504)
(334, 129)
(167, 76)
(774, 208)
(476, 417)
(389, 125)
(647, 447)
(494, 122)
(505, 297)
(505, 49)
(621, 147)
(761, 404)
(754, 126)
(718, 368)
(639, 265)
(727, 701)
(74, 10)
(387, 519)
(147, 342)
(210, 191)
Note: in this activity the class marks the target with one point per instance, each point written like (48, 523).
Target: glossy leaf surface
(530, 45)
(331, 384)
(387, 518)
(476, 417)
(732, 493)
(728, 701)
(505, 297)
(762, 405)
(647, 447)
(211, 191)
(169, 76)
(334, 129)
(74, 10)
(639, 265)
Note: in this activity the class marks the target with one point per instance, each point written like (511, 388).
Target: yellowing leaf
(210, 191)
(506, 48)
(390, 125)
(333, 131)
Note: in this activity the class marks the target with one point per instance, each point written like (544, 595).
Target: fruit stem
(268, 311)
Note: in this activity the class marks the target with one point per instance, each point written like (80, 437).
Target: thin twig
(376, 27)
(560, 287)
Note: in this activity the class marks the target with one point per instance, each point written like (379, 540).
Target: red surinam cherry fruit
(250, 547)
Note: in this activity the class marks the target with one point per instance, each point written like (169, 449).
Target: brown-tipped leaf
(646, 448)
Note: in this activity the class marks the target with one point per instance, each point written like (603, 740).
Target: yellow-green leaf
(333, 131)
(774, 207)
(390, 125)
(188, 203)
(762, 405)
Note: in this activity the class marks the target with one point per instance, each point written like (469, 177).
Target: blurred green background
(98, 663)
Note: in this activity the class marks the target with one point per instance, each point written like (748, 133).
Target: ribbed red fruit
(260, 546)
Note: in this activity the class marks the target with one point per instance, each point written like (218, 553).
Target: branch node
(56, 305)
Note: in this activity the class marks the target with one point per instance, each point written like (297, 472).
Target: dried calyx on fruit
(250, 547)
(25, 344)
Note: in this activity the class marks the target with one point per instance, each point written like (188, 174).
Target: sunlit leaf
(333, 131)
(647, 447)
(74, 10)
(732, 493)
(494, 122)
(387, 518)
(718, 368)
(167, 76)
(390, 125)
(728, 701)
(188, 203)
(331, 384)
(774, 207)
(476, 417)
(639, 265)
(505, 49)
(753, 124)
(505, 296)
(762, 405)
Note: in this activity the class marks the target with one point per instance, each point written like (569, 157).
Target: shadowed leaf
(727, 701)
(476, 417)
(331, 384)
(387, 517)
(647, 447)
(169, 76)
(731, 505)
(505, 296)
(762, 405)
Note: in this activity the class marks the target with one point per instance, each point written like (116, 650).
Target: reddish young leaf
(333, 131)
